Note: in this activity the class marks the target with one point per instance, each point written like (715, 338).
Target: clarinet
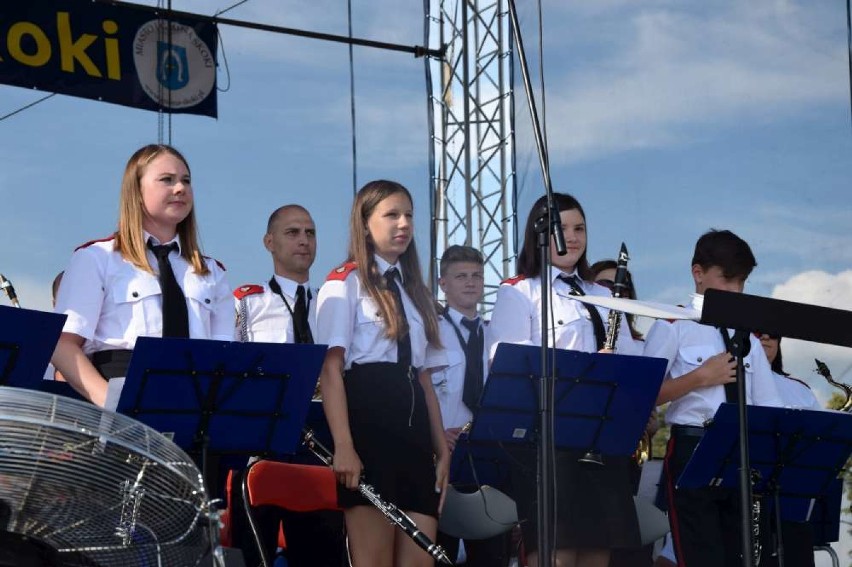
(390, 511)
(6, 286)
(619, 289)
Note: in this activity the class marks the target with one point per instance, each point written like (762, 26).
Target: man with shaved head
(276, 312)
(283, 311)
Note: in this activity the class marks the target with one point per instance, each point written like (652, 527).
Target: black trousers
(798, 541)
(705, 522)
(314, 539)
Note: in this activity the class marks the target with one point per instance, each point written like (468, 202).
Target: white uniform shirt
(265, 318)
(796, 394)
(348, 317)
(516, 317)
(686, 345)
(110, 302)
(449, 381)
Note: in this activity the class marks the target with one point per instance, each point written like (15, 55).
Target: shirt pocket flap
(367, 312)
(200, 291)
(697, 355)
(135, 288)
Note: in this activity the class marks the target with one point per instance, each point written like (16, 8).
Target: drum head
(97, 487)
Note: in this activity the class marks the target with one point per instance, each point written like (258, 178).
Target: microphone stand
(740, 347)
(549, 224)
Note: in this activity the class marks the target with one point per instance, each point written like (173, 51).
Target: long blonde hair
(362, 250)
(129, 239)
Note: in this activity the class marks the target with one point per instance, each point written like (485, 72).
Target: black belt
(687, 430)
(415, 372)
(112, 363)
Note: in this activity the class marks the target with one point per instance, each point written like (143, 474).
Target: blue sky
(665, 118)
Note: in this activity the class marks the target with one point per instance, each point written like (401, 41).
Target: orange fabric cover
(225, 518)
(300, 488)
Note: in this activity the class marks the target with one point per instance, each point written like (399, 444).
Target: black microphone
(10, 291)
(556, 229)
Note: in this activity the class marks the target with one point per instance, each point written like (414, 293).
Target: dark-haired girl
(595, 511)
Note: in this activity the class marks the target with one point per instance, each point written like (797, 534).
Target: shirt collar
(148, 236)
(697, 302)
(289, 286)
(456, 316)
(384, 266)
(556, 273)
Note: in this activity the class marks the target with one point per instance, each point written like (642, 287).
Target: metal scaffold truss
(473, 165)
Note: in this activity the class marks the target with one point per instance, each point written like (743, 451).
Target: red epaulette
(342, 272)
(514, 280)
(249, 289)
(89, 243)
(802, 382)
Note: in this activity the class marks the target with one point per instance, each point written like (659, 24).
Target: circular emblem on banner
(176, 72)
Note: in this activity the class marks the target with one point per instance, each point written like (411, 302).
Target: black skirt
(594, 503)
(390, 429)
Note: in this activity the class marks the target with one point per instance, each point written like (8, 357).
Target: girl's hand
(452, 435)
(347, 467)
(442, 476)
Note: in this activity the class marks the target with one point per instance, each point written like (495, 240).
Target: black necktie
(597, 321)
(732, 392)
(175, 317)
(301, 327)
(403, 343)
(473, 364)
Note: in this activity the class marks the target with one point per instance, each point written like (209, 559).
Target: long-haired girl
(380, 323)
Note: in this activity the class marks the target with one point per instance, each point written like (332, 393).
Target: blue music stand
(602, 401)
(825, 515)
(796, 456)
(227, 398)
(27, 341)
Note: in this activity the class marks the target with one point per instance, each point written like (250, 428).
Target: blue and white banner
(119, 54)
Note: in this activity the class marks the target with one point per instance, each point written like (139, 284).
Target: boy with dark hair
(705, 522)
(460, 384)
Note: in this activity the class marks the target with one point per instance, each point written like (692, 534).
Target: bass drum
(83, 486)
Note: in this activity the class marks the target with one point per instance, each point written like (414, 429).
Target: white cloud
(669, 76)
(828, 290)
(818, 288)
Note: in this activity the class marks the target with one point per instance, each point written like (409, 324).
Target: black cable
(541, 78)
(224, 61)
(228, 9)
(849, 46)
(160, 40)
(352, 102)
(25, 107)
(433, 180)
(222, 46)
(169, 115)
